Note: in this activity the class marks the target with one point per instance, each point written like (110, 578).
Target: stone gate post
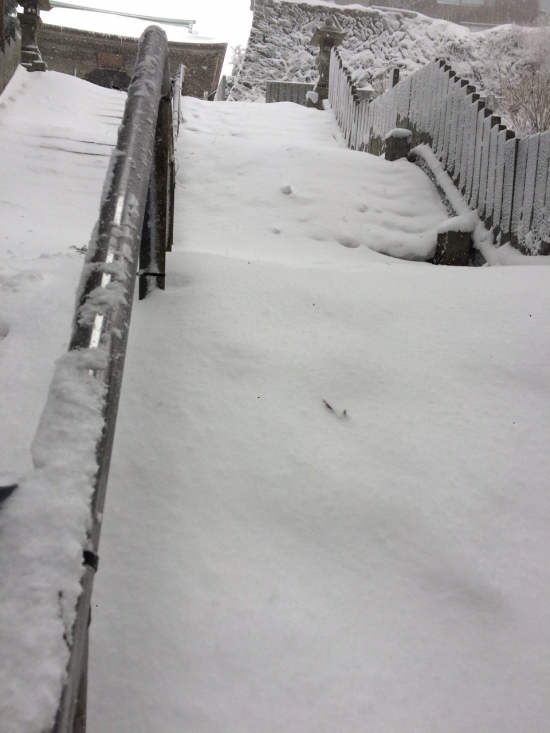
(30, 26)
(327, 36)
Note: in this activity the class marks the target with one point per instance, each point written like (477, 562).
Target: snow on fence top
(505, 179)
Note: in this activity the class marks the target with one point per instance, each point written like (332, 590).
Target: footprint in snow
(8, 484)
(347, 241)
(4, 329)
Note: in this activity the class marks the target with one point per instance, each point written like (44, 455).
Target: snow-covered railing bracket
(134, 225)
(506, 180)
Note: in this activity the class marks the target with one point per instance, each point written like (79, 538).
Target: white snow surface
(271, 564)
(399, 132)
(56, 135)
(328, 501)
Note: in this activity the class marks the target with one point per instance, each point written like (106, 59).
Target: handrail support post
(158, 222)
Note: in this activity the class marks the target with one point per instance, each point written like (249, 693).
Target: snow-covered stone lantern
(327, 36)
(30, 25)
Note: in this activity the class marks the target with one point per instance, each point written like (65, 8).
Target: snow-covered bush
(525, 93)
(511, 65)
(237, 58)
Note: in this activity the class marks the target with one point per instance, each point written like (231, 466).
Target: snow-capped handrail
(135, 206)
(505, 179)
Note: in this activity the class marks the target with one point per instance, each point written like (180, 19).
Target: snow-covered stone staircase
(332, 517)
(327, 505)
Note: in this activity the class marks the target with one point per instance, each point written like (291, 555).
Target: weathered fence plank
(528, 194)
(511, 148)
(487, 184)
(542, 191)
(519, 188)
(480, 129)
(503, 136)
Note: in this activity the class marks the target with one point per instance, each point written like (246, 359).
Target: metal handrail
(133, 225)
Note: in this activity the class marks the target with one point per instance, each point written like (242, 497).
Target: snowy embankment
(328, 503)
(56, 136)
(279, 47)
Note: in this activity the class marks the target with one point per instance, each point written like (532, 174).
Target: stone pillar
(394, 78)
(326, 37)
(30, 27)
(454, 241)
(398, 144)
(365, 94)
(453, 248)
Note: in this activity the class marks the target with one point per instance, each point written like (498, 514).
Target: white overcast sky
(222, 20)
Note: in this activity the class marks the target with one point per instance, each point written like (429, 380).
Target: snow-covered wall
(279, 47)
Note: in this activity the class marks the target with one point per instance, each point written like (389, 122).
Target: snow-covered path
(272, 564)
(56, 136)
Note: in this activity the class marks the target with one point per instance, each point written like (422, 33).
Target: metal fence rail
(505, 179)
(137, 200)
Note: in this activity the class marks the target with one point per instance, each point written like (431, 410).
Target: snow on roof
(118, 25)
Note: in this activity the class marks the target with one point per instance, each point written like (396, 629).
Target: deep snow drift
(270, 563)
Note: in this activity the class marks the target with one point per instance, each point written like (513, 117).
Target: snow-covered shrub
(237, 58)
(526, 93)
(511, 65)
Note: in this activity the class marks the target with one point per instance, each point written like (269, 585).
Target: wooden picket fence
(507, 180)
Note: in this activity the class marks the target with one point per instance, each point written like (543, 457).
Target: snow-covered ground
(56, 136)
(328, 501)
(271, 564)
